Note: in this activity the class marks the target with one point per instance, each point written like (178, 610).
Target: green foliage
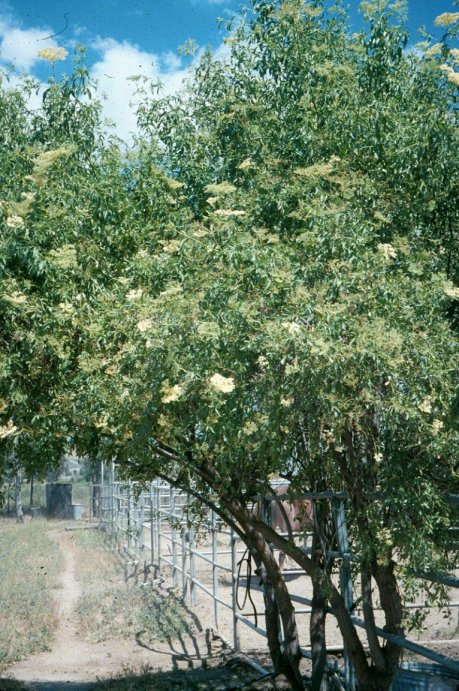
(266, 285)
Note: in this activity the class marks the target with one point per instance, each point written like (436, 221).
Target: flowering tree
(266, 286)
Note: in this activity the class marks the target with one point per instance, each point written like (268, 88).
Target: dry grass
(29, 568)
(110, 608)
(233, 674)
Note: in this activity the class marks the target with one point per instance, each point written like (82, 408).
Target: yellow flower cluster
(426, 405)
(446, 19)
(245, 165)
(222, 384)
(52, 54)
(7, 430)
(263, 361)
(451, 74)
(230, 212)
(437, 426)
(434, 50)
(144, 325)
(134, 294)
(451, 291)
(66, 307)
(65, 257)
(220, 188)
(249, 428)
(172, 246)
(387, 251)
(15, 222)
(172, 393)
(292, 327)
(16, 298)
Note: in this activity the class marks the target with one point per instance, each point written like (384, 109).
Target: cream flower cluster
(16, 298)
(446, 19)
(387, 250)
(172, 393)
(15, 222)
(452, 291)
(222, 384)
(144, 325)
(52, 54)
(7, 430)
(134, 294)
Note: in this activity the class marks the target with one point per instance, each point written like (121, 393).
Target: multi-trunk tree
(266, 285)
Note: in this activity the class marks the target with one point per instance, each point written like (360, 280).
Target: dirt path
(75, 663)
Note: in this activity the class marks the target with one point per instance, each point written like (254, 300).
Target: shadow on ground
(231, 676)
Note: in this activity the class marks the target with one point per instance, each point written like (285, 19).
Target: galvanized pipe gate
(152, 524)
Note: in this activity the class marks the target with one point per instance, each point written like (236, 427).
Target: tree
(296, 316)
(266, 285)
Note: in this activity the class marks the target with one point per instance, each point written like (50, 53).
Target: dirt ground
(76, 664)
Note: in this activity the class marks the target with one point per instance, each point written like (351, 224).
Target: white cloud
(118, 62)
(20, 46)
(114, 72)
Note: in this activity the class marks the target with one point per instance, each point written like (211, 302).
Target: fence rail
(152, 525)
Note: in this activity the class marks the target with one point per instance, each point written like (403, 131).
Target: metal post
(192, 567)
(236, 638)
(214, 565)
(173, 536)
(152, 529)
(184, 571)
(345, 577)
(142, 520)
(102, 492)
(158, 511)
(129, 514)
(112, 495)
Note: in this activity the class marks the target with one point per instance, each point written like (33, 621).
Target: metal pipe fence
(152, 525)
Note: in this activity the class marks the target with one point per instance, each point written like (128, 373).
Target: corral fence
(151, 524)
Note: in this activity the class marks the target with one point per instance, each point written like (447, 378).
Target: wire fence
(151, 524)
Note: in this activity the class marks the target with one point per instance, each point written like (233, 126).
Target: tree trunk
(376, 652)
(289, 662)
(391, 604)
(272, 619)
(18, 496)
(317, 635)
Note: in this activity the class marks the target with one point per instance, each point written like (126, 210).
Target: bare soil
(76, 664)
(198, 661)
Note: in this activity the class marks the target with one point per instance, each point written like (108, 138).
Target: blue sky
(127, 37)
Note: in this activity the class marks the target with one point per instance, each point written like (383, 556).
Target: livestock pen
(209, 567)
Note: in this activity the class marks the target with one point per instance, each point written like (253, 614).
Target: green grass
(29, 567)
(110, 608)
